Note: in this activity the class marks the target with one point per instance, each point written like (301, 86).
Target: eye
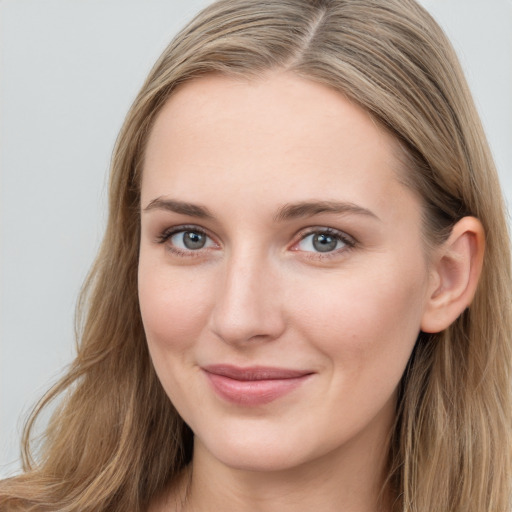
(184, 240)
(191, 240)
(324, 241)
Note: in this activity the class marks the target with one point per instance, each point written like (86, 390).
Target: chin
(249, 453)
(260, 450)
(259, 459)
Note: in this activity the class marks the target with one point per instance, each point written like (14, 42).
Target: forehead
(265, 139)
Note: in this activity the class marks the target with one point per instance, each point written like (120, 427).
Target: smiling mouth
(253, 386)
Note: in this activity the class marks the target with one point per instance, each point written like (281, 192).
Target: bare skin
(277, 234)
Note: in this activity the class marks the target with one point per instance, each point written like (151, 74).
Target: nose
(248, 306)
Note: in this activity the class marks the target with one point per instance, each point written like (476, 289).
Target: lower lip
(253, 392)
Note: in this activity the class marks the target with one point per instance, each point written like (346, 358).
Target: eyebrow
(310, 208)
(284, 213)
(173, 205)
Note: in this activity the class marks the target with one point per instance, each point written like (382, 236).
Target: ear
(455, 270)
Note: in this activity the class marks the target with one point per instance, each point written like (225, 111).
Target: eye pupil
(323, 242)
(193, 240)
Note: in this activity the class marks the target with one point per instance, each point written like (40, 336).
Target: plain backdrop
(69, 70)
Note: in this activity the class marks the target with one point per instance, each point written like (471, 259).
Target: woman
(292, 309)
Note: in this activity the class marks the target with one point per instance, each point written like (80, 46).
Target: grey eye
(321, 242)
(324, 243)
(193, 240)
(190, 240)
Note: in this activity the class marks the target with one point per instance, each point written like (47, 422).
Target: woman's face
(282, 274)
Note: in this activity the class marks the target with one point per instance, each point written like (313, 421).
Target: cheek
(367, 321)
(174, 309)
(174, 306)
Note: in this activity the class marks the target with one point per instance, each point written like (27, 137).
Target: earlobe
(456, 269)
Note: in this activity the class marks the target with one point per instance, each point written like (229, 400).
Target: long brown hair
(115, 440)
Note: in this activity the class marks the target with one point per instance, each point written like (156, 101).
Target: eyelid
(349, 241)
(168, 233)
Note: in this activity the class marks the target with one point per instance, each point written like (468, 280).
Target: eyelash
(166, 235)
(348, 241)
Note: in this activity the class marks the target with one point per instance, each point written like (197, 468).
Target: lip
(255, 385)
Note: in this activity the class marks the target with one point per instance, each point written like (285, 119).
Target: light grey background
(69, 71)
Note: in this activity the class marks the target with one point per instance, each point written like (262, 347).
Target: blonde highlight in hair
(116, 441)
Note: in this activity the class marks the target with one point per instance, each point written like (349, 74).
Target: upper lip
(255, 372)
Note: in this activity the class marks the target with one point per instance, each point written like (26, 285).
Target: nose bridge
(247, 304)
